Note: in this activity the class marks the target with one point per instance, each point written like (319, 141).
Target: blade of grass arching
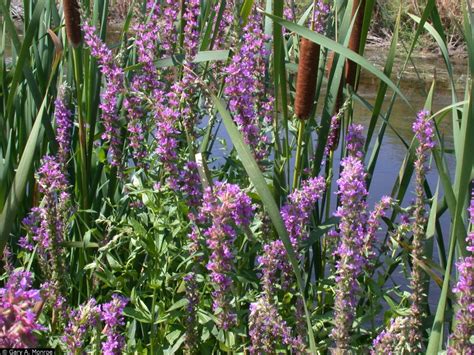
(341, 50)
(380, 98)
(445, 54)
(258, 181)
(245, 10)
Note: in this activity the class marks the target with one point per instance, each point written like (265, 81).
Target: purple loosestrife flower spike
(192, 294)
(80, 321)
(224, 208)
(224, 24)
(373, 224)
(191, 28)
(47, 224)
(190, 184)
(274, 260)
(111, 314)
(245, 87)
(267, 329)
(18, 318)
(113, 75)
(320, 14)
(424, 132)
(296, 213)
(460, 341)
(63, 118)
(392, 341)
(356, 235)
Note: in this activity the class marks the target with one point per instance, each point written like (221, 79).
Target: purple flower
(461, 339)
(192, 294)
(18, 317)
(320, 13)
(224, 208)
(332, 137)
(47, 225)
(355, 140)
(114, 76)
(80, 321)
(356, 235)
(393, 340)
(245, 87)
(267, 329)
(190, 184)
(224, 24)
(191, 28)
(273, 261)
(63, 118)
(296, 213)
(111, 314)
(424, 132)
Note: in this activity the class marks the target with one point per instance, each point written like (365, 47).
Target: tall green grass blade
(23, 173)
(341, 50)
(245, 11)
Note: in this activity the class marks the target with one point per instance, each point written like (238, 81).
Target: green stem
(299, 147)
(82, 127)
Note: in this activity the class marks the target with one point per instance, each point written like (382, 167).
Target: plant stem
(299, 147)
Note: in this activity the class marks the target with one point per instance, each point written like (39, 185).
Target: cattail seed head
(306, 78)
(72, 18)
(354, 41)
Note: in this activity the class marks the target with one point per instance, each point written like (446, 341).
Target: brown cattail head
(354, 45)
(306, 78)
(354, 40)
(72, 18)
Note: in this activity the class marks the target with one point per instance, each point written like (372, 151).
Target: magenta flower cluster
(249, 103)
(224, 207)
(47, 225)
(81, 320)
(87, 316)
(296, 212)
(114, 77)
(111, 314)
(320, 13)
(356, 233)
(63, 117)
(18, 311)
(267, 329)
(460, 341)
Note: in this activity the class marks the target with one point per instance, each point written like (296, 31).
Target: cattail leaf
(17, 190)
(22, 62)
(245, 11)
(258, 181)
(341, 50)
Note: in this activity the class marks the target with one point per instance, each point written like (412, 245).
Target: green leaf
(340, 49)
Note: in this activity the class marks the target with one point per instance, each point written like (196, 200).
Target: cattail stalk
(72, 17)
